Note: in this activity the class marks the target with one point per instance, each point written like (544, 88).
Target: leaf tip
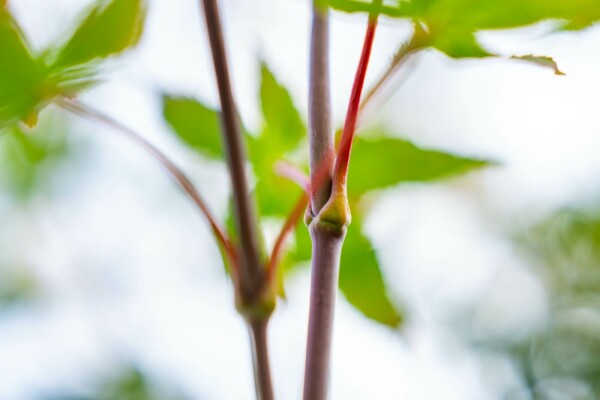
(542, 61)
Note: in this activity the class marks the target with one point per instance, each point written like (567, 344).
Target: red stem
(345, 146)
(298, 176)
(288, 227)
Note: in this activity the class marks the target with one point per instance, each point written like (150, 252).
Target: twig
(406, 49)
(260, 358)
(253, 275)
(251, 269)
(288, 227)
(345, 147)
(177, 174)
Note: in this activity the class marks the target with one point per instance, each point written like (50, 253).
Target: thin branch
(296, 175)
(291, 172)
(322, 154)
(253, 278)
(286, 230)
(345, 147)
(251, 270)
(177, 174)
(260, 358)
(400, 57)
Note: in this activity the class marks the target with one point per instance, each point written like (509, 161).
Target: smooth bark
(253, 280)
(327, 247)
(322, 155)
(260, 358)
(245, 215)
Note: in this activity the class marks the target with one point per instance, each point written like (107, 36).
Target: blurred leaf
(562, 358)
(109, 29)
(276, 195)
(129, 384)
(17, 288)
(457, 43)
(29, 82)
(303, 248)
(361, 280)
(542, 61)
(195, 124)
(388, 8)
(382, 162)
(282, 132)
(282, 122)
(453, 24)
(300, 251)
(569, 245)
(27, 160)
(21, 76)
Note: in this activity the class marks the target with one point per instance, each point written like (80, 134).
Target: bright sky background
(129, 268)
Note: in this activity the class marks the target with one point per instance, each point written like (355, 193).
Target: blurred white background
(130, 273)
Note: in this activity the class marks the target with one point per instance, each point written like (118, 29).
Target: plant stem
(328, 227)
(177, 174)
(345, 147)
(289, 225)
(321, 138)
(413, 44)
(252, 271)
(327, 246)
(260, 358)
(254, 284)
(399, 58)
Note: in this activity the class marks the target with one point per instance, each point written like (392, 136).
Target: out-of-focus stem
(251, 268)
(254, 293)
(177, 174)
(260, 358)
(291, 222)
(416, 41)
(407, 48)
